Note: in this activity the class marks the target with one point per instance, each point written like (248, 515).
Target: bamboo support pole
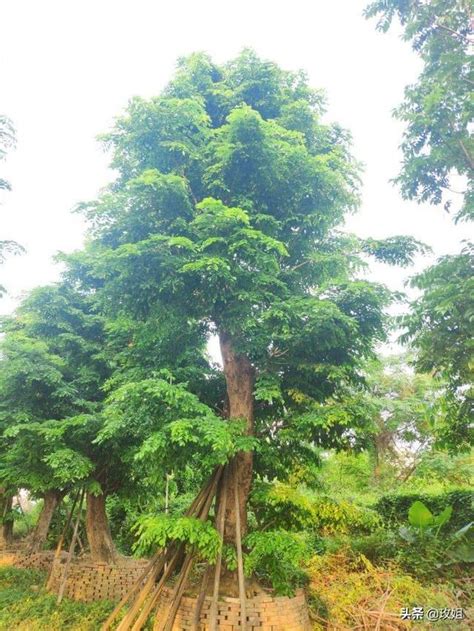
(129, 617)
(146, 595)
(240, 563)
(131, 614)
(59, 547)
(202, 595)
(218, 569)
(190, 557)
(72, 545)
(196, 506)
(132, 591)
(153, 600)
(178, 591)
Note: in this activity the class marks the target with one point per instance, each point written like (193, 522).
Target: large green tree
(225, 214)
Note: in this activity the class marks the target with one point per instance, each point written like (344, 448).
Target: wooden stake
(202, 595)
(146, 596)
(217, 576)
(240, 563)
(59, 547)
(127, 621)
(72, 545)
(194, 509)
(151, 604)
(178, 591)
(190, 558)
(132, 591)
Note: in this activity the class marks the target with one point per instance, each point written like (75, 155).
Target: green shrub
(422, 546)
(394, 508)
(276, 557)
(342, 516)
(284, 506)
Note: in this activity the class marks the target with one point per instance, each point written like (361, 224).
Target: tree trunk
(102, 547)
(240, 377)
(40, 534)
(6, 523)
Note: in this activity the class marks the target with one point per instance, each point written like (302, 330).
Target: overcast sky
(68, 67)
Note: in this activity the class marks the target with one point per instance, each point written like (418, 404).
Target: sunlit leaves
(159, 531)
(164, 422)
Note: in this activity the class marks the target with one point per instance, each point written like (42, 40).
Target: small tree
(440, 328)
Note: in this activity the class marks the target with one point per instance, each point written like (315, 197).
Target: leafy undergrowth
(26, 606)
(348, 592)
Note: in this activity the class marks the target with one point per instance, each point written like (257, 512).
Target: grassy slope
(26, 606)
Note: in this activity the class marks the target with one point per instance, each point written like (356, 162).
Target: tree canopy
(225, 216)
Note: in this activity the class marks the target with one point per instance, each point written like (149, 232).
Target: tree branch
(453, 32)
(467, 154)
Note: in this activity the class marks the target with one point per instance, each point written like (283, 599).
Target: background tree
(440, 328)
(438, 145)
(51, 375)
(7, 141)
(438, 110)
(406, 411)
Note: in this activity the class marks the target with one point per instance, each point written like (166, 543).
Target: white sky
(67, 67)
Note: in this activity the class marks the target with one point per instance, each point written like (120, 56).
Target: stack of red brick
(88, 581)
(264, 613)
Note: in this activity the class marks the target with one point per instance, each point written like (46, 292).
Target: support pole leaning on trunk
(222, 494)
(201, 597)
(178, 592)
(240, 562)
(155, 566)
(59, 547)
(72, 545)
(133, 591)
(218, 569)
(190, 557)
(150, 591)
(142, 598)
(202, 515)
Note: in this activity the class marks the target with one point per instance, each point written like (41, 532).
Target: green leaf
(419, 515)
(443, 517)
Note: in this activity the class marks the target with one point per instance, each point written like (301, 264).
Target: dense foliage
(437, 109)
(394, 508)
(225, 223)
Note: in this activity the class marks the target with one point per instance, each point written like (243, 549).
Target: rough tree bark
(6, 524)
(101, 545)
(240, 377)
(40, 534)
